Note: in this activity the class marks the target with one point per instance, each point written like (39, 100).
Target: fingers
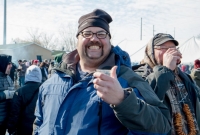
(113, 72)
(174, 52)
(102, 76)
(100, 88)
(100, 82)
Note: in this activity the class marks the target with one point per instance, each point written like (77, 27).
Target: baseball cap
(161, 38)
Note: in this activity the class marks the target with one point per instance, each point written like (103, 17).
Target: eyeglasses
(162, 47)
(89, 34)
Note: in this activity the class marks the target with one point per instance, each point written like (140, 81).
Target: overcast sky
(179, 17)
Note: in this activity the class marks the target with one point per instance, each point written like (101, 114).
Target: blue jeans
(21, 80)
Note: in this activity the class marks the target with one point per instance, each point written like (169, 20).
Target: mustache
(94, 43)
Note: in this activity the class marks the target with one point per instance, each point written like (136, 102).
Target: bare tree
(54, 44)
(46, 40)
(18, 40)
(65, 40)
(68, 37)
(42, 38)
(34, 35)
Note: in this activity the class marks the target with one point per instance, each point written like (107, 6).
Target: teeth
(94, 47)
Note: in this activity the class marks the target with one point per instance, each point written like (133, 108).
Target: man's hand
(171, 58)
(108, 87)
(9, 93)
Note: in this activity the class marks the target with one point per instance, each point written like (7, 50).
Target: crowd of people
(95, 90)
(17, 74)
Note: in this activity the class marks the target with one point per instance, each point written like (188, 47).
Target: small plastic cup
(104, 71)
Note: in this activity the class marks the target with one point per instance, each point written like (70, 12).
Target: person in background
(35, 62)
(187, 69)
(24, 61)
(38, 63)
(174, 87)
(21, 116)
(44, 71)
(46, 63)
(12, 72)
(195, 73)
(183, 68)
(50, 70)
(6, 93)
(21, 70)
(58, 58)
(94, 91)
(27, 64)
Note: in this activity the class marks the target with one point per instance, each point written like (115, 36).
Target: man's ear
(109, 35)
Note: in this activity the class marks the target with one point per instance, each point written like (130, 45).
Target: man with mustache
(95, 92)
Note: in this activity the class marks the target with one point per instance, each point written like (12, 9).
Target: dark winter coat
(44, 75)
(5, 82)
(23, 107)
(160, 79)
(12, 71)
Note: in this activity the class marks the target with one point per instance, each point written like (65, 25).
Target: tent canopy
(190, 50)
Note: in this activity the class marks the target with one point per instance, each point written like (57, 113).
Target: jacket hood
(116, 57)
(149, 56)
(4, 60)
(122, 56)
(58, 57)
(33, 74)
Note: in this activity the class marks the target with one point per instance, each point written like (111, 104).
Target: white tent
(134, 48)
(190, 50)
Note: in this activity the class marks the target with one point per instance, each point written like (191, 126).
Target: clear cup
(11, 88)
(104, 71)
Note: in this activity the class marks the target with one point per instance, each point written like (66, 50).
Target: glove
(9, 93)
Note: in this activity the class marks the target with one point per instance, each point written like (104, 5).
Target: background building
(28, 51)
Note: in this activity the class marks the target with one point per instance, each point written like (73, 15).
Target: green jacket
(126, 111)
(160, 79)
(195, 74)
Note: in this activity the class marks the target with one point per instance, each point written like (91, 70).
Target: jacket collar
(116, 57)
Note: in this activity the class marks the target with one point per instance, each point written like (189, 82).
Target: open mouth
(94, 47)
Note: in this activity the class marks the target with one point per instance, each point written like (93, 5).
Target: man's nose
(94, 37)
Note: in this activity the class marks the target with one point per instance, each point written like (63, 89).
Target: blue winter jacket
(69, 107)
